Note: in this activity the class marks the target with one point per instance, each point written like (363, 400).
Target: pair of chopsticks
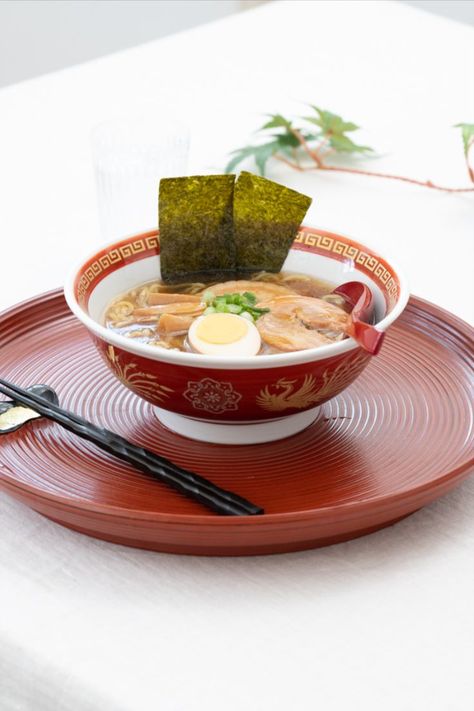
(192, 485)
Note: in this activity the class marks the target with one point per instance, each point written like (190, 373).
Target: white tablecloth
(383, 622)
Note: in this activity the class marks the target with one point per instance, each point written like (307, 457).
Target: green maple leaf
(334, 128)
(329, 122)
(239, 155)
(262, 152)
(343, 144)
(277, 121)
(284, 143)
(467, 130)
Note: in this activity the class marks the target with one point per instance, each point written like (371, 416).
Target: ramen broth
(154, 313)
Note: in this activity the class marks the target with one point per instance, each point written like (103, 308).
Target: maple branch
(369, 173)
(315, 155)
(323, 144)
(423, 183)
(295, 166)
(281, 158)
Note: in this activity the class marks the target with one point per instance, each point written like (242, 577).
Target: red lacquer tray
(398, 438)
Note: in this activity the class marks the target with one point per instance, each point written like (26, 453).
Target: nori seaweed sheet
(266, 218)
(195, 220)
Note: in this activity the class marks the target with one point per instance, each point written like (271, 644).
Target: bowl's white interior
(128, 276)
(318, 266)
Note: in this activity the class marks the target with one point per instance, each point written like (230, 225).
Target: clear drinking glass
(130, 157)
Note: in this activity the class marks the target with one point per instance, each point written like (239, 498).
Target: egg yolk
(221, 329)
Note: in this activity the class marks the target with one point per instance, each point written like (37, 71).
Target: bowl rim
(198, 360)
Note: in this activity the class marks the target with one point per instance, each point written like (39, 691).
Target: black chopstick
(188, 483)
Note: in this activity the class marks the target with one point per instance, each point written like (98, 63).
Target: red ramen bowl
(234, 400)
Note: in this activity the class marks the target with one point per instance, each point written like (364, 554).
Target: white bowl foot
(236, 432)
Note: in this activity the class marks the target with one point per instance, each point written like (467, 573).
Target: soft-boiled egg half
(224, 334)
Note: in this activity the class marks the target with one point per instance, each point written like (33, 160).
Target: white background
(59, 33)
(383, 622)
(38, 36)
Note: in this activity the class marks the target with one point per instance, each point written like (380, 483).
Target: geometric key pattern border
(309, 239)
(358, 256)
(112, 257)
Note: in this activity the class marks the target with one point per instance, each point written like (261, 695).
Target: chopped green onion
(241, 304)
(208, 297)
(250, 298)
